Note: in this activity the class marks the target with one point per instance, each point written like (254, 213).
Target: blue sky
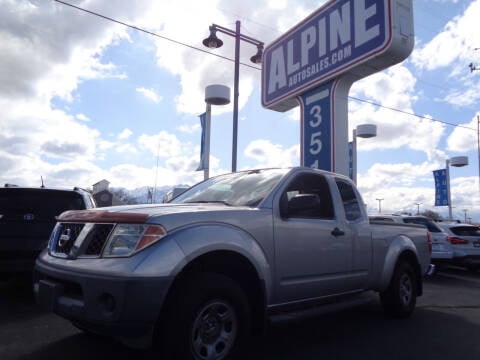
(86, 99)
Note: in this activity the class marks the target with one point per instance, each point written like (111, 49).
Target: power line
(245, 64)
(410, 113)
(151, 33)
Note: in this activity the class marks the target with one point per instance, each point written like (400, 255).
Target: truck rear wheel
(400, 298)
(210, 319)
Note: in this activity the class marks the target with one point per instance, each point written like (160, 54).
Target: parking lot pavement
(444, 326)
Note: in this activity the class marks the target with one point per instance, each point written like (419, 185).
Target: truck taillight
(429, 242)
(456, 241)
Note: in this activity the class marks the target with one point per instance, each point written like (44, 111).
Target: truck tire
(400, 298)
(210, 319)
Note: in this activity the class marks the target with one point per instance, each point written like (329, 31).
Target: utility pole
(465, 212)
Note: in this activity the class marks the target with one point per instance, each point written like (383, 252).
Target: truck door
(356, 220)
(313, 250)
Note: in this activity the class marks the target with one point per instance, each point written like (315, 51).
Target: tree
(432, 215)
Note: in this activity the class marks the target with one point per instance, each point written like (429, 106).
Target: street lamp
(213, 42)
(214, 95)
(456, 161)
(379, 205)
(364, 131)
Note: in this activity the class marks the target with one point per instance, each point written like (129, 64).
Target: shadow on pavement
(364, 333)
(437, 330)
(368, 334)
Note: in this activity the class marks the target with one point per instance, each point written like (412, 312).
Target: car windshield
(247, 188)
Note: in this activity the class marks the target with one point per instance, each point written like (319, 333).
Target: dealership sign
(333, 40)
(343, 41)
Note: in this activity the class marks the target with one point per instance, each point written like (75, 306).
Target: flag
(441, 197)
(350, 159)
(201, 166)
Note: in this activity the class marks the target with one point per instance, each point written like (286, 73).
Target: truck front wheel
(401, 296)
(210, 319)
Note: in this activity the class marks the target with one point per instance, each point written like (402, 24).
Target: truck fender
(199, 239)
(400, 245)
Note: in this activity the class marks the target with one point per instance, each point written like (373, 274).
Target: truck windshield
(246, 188)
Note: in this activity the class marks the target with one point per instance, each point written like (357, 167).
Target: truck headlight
(127, 239)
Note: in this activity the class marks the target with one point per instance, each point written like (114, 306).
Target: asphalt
(444, 326)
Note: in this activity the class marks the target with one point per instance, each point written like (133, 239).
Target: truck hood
(168, 215)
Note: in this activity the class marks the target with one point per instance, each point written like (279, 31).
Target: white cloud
(386, 176)
(189, 129)
(397, 185)
(125, 134)
(82, 117)
(150, 94)
(459, 34)
(126, 148)
(393, 89)
(266, 154)
(162, 144)
(452, 50)
(464, 139)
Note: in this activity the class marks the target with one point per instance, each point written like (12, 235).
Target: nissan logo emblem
(65, 237)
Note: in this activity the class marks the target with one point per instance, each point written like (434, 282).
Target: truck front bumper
(120, 306)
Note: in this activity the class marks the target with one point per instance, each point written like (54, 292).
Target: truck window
(349, 199)
(311, 184)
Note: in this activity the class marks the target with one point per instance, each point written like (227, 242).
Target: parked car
(442, 251)
(465, 241)
(27, 217)
(201, 274)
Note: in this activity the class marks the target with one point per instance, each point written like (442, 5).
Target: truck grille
(97, 238)
(74, 240)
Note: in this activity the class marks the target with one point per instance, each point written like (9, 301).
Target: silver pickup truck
(203, 273)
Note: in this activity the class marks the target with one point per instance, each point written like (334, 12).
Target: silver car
(465, 240)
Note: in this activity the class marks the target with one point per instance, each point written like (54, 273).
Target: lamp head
(458, 161)
(212, 41)
(366, 130)
(257, 58)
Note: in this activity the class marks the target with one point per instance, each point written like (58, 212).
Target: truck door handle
(337, 232)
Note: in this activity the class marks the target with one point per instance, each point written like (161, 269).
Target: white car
(465, 241)
(442, 250)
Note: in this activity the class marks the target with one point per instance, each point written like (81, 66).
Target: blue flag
(201, 166)
(350, 159)
(441, 196)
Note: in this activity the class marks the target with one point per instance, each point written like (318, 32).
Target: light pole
(364, 131)
(418, 208)
(213, 42)
(214, 95)
(379, 205)
(456, 161)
